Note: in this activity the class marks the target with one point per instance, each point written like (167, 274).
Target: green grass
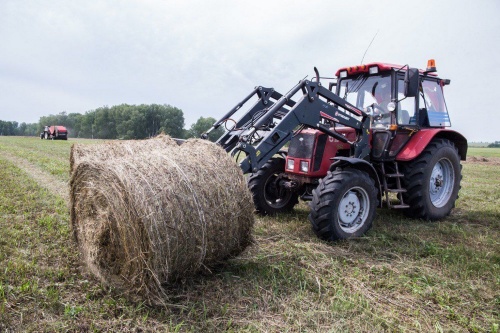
(49, 155)
(404, 276)
(483, 152)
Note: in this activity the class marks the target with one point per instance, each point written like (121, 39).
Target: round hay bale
(147, 213)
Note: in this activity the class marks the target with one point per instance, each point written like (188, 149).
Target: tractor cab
(400, 100)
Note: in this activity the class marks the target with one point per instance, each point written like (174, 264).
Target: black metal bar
(337, 136)
(236, 108)
(279, 104)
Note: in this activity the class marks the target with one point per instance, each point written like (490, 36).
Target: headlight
(290, 164)
(304, 166)
(391, 107)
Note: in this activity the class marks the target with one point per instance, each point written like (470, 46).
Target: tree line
(117, 122)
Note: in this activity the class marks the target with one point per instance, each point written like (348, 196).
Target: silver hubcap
(353, 209)
(441, 182)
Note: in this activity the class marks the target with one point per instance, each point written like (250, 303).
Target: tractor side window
(432, 100)
(406, 107)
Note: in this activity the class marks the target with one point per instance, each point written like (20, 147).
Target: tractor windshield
(365, 91)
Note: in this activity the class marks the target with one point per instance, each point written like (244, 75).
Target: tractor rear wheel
(432, 181)
(343, 205)
(269, 195)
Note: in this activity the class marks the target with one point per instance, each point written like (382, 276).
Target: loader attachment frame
(271, 122)
(266, 98)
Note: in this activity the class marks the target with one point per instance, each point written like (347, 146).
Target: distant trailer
(55, 132)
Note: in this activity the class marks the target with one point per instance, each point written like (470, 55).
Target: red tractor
(56, 132)
(380, 139)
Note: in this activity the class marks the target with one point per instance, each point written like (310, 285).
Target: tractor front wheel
(432, 181)
(270, 197)
(343, 205)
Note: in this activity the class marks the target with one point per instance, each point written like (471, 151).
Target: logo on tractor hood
(353, 109)
(343, 116)
(327, 116)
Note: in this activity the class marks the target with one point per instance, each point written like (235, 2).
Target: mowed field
(405, 275)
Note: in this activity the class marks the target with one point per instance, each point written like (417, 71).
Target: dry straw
(147, 213)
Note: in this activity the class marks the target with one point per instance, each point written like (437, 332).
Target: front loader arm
(316, 103)
(266, 99)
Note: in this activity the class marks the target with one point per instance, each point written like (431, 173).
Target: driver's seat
(403, 117)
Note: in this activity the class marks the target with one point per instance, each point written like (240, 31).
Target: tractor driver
(381, 91)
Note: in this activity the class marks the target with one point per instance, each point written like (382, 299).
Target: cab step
(400, 206)
(394, 175)
(396, 190)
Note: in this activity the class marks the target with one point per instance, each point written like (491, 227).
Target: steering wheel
(379, 113)
(379, 108)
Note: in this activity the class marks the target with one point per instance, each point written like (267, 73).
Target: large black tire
(343, 205)
(432, 181)
(268, 196)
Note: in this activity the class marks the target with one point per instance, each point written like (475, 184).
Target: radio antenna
(368, 47)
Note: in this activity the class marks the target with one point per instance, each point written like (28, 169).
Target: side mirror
(411, 82)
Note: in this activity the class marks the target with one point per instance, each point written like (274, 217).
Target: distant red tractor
(55, 132)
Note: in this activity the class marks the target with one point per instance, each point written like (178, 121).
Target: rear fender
(359, 164)
(421, 139)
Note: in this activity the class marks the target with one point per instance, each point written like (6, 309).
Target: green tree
(8, 127)
(104, 123)
(201, 126)
(172, 122)
(117, 122)
(73, 124)
(131, 124)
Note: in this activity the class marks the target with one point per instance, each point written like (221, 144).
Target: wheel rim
(441, 182)
(353, 209)
(275, 195)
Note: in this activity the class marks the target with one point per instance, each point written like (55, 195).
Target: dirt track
(483, 160)
(44, 179)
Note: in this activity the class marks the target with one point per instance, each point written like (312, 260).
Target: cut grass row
(49, 155)
(404, 275)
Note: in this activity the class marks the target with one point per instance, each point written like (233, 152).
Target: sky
(205, 56)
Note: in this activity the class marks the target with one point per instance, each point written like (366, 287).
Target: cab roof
(382, 67)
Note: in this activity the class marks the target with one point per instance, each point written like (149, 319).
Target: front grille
(302, 145)
(320, 149)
